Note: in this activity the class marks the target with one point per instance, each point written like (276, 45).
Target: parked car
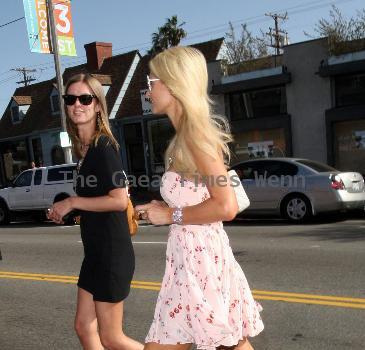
(298, 188)
(35, 190)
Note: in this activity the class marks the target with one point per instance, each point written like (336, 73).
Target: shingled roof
(210, 49)
(23, 100)
(112, 72)
(38, 116)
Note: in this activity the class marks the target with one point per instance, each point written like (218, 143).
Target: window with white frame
(18, 112)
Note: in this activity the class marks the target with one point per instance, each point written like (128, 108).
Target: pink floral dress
(204, 298)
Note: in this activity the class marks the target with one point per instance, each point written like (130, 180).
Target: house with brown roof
(31, 124)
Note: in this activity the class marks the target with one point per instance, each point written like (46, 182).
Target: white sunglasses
(149, 81)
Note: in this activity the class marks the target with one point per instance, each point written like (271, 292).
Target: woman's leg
(155, 346)
(244, 345)
(110, 319)
(86, 324)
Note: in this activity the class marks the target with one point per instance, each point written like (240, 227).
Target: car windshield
(317, 166)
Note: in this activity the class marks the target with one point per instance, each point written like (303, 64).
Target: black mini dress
(108, 265)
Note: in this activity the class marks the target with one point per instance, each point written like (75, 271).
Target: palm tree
(170, 34)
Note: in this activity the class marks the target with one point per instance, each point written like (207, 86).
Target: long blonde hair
(184, 72)
(102, 127)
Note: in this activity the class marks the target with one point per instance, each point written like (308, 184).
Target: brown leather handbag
(132, 220)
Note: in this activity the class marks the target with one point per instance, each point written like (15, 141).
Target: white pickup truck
(35, 190)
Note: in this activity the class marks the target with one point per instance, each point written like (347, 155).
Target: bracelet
(177, 216)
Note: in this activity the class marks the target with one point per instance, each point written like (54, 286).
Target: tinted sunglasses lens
(69, 99)
(86, 99)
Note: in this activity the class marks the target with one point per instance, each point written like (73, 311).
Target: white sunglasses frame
(149, 80)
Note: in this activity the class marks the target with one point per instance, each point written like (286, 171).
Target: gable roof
(210, 49)
(38, 116)
(23, 100)
(112, 72)
(132, 105)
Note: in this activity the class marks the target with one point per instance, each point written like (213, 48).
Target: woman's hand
(155, 212)
(163, 204)
(59, 210)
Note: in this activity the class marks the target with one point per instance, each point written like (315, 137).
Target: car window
(278, 168)
(317, 166)
(24, 179)
(265, 169)
(249, 170)
(38, 177)
(61, 173)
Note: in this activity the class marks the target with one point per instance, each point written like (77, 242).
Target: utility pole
(279, 36)
(56, 56)
(26, 79)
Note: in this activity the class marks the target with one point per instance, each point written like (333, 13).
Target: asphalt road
(309, 279)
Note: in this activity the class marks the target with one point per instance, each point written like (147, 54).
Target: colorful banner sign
(37, 24)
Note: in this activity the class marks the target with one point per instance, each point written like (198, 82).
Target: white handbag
(241, 196)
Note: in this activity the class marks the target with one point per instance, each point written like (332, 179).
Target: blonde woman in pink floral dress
(205, 298)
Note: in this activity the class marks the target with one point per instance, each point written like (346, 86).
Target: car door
(20, 195)
(249, 173)
(280, 180)
(37, 189)
(266, 182)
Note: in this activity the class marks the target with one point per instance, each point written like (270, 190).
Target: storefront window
(349, 145)
(15, 158)
(258, 144)
(160, 133)
(350, 90)
(258, 103)
(134, 148)
(37, 151)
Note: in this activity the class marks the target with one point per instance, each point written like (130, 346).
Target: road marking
(136, 242)
(325, 300)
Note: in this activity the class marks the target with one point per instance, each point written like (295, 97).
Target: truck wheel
(4, 214)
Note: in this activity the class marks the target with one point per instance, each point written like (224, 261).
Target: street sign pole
(56, 56)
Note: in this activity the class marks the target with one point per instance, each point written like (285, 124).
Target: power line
(277, 34)
(15, 20)
(220, 29)
(26, 78)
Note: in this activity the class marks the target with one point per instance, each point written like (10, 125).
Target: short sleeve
(108, 166)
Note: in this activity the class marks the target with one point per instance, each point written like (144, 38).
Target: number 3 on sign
(62, 17)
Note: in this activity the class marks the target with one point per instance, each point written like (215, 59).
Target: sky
(128, 25)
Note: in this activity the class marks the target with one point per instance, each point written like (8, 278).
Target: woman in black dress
(108, 266)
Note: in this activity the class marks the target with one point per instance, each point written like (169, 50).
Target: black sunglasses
(84, 99)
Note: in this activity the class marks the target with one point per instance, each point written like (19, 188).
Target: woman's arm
(221, 206)
(115, 200)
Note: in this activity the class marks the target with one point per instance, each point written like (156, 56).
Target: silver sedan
(298, 188)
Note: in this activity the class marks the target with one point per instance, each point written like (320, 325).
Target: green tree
(244, 47)
(170, 34)
(340, 30)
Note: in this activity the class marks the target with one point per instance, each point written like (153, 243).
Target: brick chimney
(96, 52)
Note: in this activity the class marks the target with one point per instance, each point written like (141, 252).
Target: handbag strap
(126, 182)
